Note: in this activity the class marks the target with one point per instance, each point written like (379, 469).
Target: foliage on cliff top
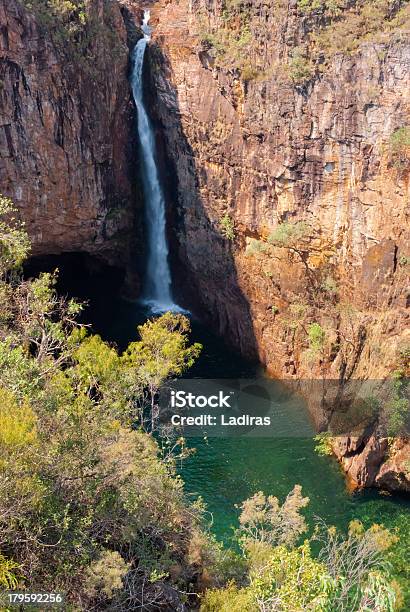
(347, 25)
(69, 15)
(230, 40)
(83, 33)
(342, 26)
(238, 34)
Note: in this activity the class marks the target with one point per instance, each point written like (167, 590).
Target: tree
(87, 505)
(358, 567)
(263, 519)
(14, 242)
(349, 574)
(163, 351)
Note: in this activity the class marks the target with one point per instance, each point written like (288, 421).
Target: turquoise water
(225, 471)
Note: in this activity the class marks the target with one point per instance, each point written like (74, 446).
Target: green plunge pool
(225, 471)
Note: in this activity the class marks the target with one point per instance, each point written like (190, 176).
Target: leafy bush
(68, 14)
(329, 285)
(317, 337)
(249, 72)
(289, 234)
(300, 67)
(263, 519)
(8, 569)
(14, 243)
(76, 28)
(397, 408)
(105, 575)
(331, 7)
(348, 573)
(227, 227)
(323, 445)
(255, 246)
(399, 145)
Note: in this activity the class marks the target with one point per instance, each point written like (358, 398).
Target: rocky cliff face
(290, 173)
(66, 117)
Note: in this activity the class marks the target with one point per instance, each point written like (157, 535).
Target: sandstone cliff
(66, 128)
(289, 148)
(286, 147)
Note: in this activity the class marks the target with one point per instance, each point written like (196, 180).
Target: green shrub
(300, 67)
(397, 408)
(329, 285)
(289, 234)
(331, 7)
(8, 569)
(255, 246)
(399, 145)
(308, 6)
(317, 337)
(227, 227)
(323, 445)
(60, 13)
(14, 242)
(249, 72)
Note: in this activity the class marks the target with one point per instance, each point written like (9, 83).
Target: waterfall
(157, 293)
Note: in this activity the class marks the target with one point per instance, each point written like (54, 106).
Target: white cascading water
(157, 290)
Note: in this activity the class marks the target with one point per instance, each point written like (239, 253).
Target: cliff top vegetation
(77, 29)
(236, 35)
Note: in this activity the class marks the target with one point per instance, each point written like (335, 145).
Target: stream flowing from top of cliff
(157, 294)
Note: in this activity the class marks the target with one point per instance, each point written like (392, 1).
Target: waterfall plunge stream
(157, 293)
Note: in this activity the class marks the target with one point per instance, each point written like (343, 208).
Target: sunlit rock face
(266, 150)
(67, 156)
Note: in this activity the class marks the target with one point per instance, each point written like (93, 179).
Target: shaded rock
(66, 140)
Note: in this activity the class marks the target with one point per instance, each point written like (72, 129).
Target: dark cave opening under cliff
(85, 277)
